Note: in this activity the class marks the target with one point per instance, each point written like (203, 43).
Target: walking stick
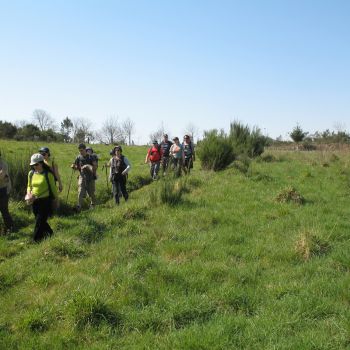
(70, 183)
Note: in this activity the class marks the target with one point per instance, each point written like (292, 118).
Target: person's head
(155, 143)
(176, 139)
(187, 138)
(117, 150)
(165, 137)
(45, 152)
(37, 161)
(89, 150)
(82, 149)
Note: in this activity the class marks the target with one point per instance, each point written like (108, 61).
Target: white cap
(36, 158)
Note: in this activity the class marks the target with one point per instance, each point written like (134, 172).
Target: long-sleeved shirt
(40, 187)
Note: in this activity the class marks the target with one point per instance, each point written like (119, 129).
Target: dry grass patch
(290, 195)
(309, 244)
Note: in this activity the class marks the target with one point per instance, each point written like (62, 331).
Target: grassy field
(251, 257)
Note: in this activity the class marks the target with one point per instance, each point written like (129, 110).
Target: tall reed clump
(18, 164)
(215, 150)
(169, 191)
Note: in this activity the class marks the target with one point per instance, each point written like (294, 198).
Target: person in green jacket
(41, 191)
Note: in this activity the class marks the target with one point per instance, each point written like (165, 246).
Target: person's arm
(75, 165)
(182, 153)
(94, 167)
(109, 164)
(128, 166)
(193, 153)
(147, 156)
(28, 184)
(58, 177)
(53, 185)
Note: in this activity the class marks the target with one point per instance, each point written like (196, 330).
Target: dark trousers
(42, 211)
(154, 169)
(165, 163)
(119, 183)
(4, 209)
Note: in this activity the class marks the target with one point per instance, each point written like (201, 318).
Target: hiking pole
(70, 183)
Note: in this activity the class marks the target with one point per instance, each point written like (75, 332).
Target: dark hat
(44, 150)
(81, 146)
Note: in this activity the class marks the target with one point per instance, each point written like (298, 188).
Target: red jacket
(155, 154)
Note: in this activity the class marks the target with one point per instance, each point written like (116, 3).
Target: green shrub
(215, 151)
(245, 141)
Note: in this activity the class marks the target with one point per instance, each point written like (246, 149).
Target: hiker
(41, 192)
(119, 169)
(177, 156)
(189, 154)
(90, 151)
(165, 145)
(86, 165)
(154, 155)
(45, 152)
(5, 188)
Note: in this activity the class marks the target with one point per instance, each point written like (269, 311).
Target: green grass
(227, 266)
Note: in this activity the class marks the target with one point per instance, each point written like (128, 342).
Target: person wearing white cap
(41, 192)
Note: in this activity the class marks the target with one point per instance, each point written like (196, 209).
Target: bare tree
(111, 131)
(128, 128)
(158, 134)
(82, 130)
(43, 119)
(192, 131)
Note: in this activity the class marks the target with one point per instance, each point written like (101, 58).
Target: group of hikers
(44, 181)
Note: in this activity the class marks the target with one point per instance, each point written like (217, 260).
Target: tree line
(42, 127)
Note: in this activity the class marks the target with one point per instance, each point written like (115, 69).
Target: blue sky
(270, 64)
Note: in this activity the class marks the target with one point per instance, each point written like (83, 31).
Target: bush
(215, 151)
(245, 141)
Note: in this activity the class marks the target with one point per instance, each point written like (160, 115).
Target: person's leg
(41, 211)
(122, 184)
(156, 169)
(81, 191)
(115, 189)
(4, 209)
(152, 169)
(90, 187)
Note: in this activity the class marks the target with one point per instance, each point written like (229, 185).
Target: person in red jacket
(154, 155)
